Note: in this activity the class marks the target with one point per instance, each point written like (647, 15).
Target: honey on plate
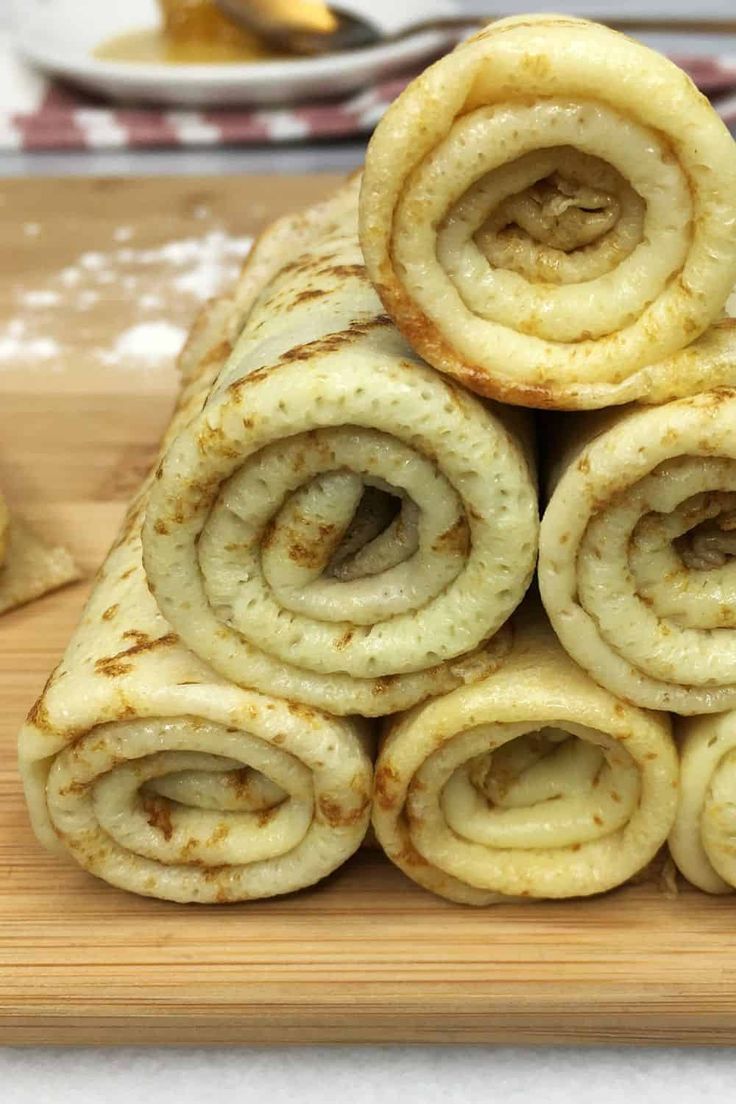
(194, 32)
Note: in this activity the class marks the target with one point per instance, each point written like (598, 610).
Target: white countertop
(369, 1075)
(359, 1075)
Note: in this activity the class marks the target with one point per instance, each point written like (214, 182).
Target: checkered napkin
(36, 114)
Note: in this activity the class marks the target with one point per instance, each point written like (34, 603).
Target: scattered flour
(40, 297)
(140, 283)
(93, 262)
(205, 264)
(18, 345)
(149, 342)
(70, 277)
(151, 302)
(34, 349)
(198, 266)
(87, 299)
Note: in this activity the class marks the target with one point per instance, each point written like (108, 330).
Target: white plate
(59, 36)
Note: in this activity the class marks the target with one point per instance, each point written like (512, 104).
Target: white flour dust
(148, 342)
(149, 295)
(39, 298)
(202, 265)
(16, 344)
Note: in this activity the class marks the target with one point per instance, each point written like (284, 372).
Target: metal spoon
(311, 27)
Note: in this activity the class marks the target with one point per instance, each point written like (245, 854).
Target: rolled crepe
(702, 838)
(531, 783)
(159, 776)
(549, 213)
(341, 525)
(636, 565)
(29, 568)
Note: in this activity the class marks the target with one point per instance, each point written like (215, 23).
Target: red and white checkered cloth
(49, 116)
(69, 120)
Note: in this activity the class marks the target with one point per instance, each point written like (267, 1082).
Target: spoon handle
(470, 22)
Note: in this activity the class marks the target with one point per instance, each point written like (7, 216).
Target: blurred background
(172, 86)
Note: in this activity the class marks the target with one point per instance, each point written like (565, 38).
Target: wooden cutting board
(367, 956)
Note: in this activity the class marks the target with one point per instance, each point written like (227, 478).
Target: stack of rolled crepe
(549, 215)
(637, 572)
(337, 526)
(319, 534)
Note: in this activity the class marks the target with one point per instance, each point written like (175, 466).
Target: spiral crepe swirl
(636, 566)
(702, 838)
(548, 214)
(159, 776)
(29, 568)
(533, 782)
(341, 525)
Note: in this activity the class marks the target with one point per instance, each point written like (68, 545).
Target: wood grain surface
(365, 957)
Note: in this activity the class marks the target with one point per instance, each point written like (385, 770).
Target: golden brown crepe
(340, 525)
(548, 214)
(533, 782)
(29, 568)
